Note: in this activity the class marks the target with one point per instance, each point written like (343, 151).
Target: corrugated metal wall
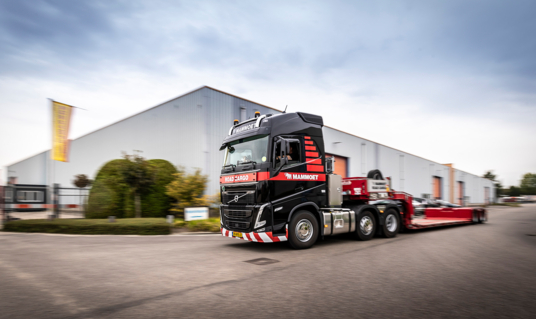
(188, 130)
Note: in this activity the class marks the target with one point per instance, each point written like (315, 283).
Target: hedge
(126, 226)
(211, 224)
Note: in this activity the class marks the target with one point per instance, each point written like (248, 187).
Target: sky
(450, 81)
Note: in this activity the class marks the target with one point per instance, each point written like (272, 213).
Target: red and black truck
(278, 185)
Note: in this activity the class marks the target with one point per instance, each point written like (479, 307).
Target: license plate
(237, 234)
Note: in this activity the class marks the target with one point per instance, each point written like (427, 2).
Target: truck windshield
(247, 150)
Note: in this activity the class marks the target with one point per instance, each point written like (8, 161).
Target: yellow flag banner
(61, 117)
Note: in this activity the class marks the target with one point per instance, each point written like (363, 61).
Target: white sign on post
(195, 213)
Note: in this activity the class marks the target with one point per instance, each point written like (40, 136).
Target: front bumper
(266, 237)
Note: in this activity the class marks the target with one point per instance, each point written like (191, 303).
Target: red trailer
(363, 189)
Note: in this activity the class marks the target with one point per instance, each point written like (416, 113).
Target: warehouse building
(188, 131)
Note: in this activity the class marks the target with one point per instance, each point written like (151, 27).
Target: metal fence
(24, 201)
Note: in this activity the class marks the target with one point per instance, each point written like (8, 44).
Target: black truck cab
(274, 165)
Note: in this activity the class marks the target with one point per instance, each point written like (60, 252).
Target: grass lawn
(124, 226)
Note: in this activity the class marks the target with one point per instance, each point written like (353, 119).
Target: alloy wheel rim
(366, 225)
(304, 230)
(391, 223)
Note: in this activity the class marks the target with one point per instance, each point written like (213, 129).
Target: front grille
(237, 213)
(238, 198)
(237, 225)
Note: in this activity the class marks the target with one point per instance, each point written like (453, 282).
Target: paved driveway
(465, 271)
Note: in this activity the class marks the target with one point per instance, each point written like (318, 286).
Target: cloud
(389, 62)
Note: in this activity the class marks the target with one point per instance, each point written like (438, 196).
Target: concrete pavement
(464, 271)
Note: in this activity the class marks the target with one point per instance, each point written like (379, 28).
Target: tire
(482, 217)
(375, 174)
(365, 226)
(391, 223)
(303, 230)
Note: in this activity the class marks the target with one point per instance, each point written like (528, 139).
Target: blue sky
(451, 81)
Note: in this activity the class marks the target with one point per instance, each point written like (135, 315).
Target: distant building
(188, 130)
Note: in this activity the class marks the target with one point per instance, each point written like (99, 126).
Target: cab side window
(294, 152)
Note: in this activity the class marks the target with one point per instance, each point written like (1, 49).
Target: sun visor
(263, 130)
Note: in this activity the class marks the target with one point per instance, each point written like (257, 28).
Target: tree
(528, 184)
(139, 175)
(498, 186)
(188, 189)
(81, 181)
(514, 191)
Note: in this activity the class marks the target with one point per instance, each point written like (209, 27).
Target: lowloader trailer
(278, 185)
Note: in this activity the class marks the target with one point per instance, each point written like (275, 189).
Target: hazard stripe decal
(266, 237)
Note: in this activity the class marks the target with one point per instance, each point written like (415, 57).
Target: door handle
(299, 189)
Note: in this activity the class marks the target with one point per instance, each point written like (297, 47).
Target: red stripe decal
(307, 137)
(258, 237)
(311, 154)
(310, 148)
(315, 168)
(247, 236)
(316, 161)
(262, 176)
(309, 142)
(273, 238)
(23, 206)
(313, 177)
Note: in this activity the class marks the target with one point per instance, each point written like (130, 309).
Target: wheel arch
(308, 206)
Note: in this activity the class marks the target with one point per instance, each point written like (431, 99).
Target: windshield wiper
(247, 162)
(229, 165)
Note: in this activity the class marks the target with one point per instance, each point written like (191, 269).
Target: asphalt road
(477, 271)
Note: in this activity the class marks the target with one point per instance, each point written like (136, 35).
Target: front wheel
(303, 230)
(391, 224)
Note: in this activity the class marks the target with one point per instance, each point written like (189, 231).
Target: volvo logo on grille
(236, 198)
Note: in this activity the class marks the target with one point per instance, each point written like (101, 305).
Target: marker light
(235, 122)
(257, 114)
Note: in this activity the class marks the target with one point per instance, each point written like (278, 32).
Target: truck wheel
(391, 224)
(303, 230)
(482, 217)
(365, 227)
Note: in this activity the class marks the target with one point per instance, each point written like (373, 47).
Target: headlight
(258, 222)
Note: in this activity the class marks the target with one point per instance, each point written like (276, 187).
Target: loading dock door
(460, 193)
(437, 187)
(341, 164)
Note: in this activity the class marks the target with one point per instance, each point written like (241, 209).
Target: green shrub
(133, 226)
(156, 203)
(111, 196)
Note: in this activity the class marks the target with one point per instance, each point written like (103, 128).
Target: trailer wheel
(482, 217)
(476, 218)
(365, 227)
(303, 230)
(391, 224)
(375, 174)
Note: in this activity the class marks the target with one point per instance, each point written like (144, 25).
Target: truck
(277, 184)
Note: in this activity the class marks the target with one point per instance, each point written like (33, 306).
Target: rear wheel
(303, 230)
(365, 226)
(391, 224)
